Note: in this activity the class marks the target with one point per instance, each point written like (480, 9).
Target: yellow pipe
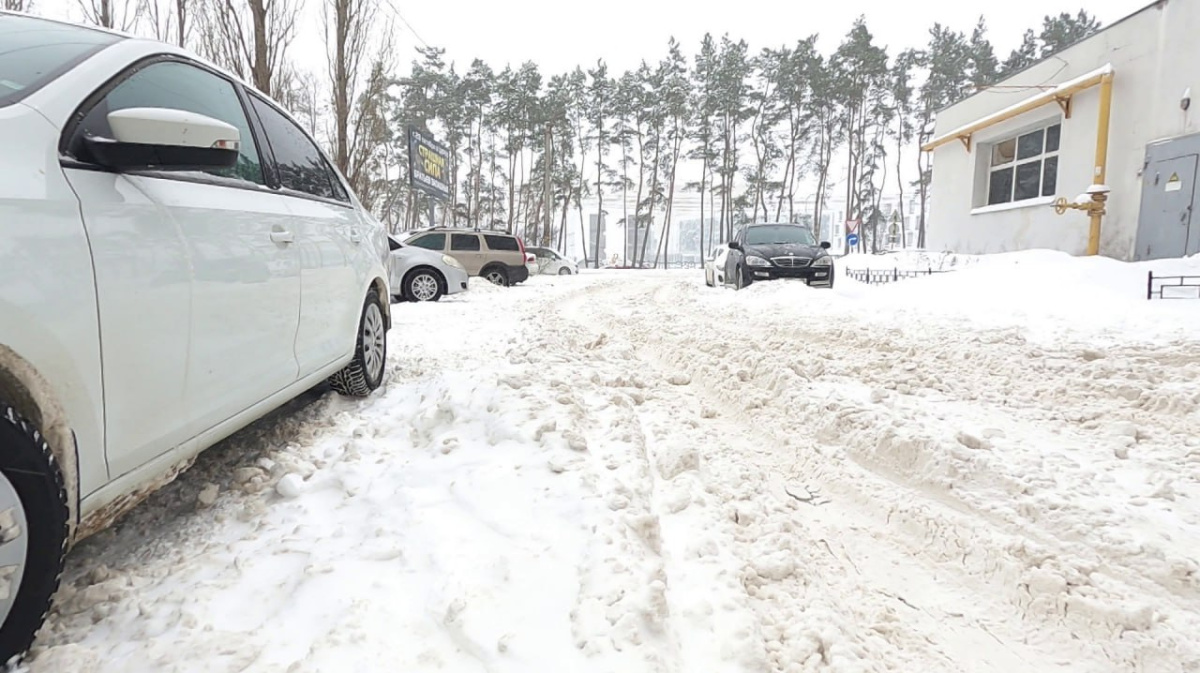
(1101, 167)
(1032, 103)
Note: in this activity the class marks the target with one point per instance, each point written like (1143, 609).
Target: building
(1003, 156)
(590, 244)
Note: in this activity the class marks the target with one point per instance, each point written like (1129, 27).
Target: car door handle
(355, 236)
(282, 236)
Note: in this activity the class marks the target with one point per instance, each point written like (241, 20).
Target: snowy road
(632, 472)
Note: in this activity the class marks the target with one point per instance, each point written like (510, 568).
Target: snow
(994, 469)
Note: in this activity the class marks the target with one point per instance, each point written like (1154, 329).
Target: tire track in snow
(955, 538)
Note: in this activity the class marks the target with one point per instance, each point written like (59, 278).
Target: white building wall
(1154, 57)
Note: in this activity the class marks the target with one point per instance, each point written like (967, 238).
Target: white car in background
(551, 263)
(418, 274)
(714, 266)
(177, 259)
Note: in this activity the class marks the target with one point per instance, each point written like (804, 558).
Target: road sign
(851, 240)
(852, 225)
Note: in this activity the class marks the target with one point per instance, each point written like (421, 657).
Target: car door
(198, 300)
(466, 248)
(733, 258)
(328, 237)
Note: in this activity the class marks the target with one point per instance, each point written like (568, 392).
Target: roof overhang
(1060, 95)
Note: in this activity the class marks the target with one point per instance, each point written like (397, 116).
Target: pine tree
(1064, 30)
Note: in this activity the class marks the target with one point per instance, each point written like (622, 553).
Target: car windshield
(778, 234)
(35, 51)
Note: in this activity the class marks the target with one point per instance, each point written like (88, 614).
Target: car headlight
(754, 260)
(823, 261)
(453, 263)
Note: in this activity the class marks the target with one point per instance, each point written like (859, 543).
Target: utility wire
(400, 15)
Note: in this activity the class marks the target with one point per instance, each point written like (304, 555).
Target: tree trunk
(653, 194)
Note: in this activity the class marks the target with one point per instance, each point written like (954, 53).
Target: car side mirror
(164, 139)
(825, 245)
(734, 245)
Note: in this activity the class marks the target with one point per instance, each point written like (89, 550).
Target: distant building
(1002, 156)
(590, 244)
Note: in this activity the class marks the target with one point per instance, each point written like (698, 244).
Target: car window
(464, 242)
(430, 242)
(779, 233)
(301, 166)
(179, 86)
(35, 51)
(507, 243)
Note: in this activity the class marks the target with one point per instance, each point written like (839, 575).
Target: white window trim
(1014, 205)
(990, 169)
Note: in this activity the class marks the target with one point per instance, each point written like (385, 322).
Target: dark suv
(772, 251)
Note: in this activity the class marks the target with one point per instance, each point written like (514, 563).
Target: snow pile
(1049, 294)
(907, 260)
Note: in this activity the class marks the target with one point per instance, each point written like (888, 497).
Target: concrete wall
(1153, 54)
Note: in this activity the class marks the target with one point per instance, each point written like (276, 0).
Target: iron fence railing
(1172, 287)
(881, 276)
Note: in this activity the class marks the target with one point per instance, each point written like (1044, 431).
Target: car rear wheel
(364, 374)
(33, 531)
(424, 285)
(496, 276)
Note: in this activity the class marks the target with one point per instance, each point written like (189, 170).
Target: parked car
(550, 262)
(714, 266)
(178, 259)
(771, 251)
(492, 255)
(418, 274)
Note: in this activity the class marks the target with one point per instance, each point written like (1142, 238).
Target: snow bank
(906, 260)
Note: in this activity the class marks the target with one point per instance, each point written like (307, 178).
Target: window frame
(1016, 162)
(335, 178)
(72, 128)
(413, 241)
(480, 243)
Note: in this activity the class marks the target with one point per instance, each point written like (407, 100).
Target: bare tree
(169, 20)
(251, 38)
(360, 72)
(120, 15)
(17, 5)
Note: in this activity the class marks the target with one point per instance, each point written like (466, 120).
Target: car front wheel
(364, 374)
(564, 271)
(33, 531)
(423, 285)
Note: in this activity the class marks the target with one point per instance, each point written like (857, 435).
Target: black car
(772, 251)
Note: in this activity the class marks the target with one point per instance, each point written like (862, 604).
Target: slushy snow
(996, 469)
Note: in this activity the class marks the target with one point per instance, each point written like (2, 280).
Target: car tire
(496, 275)
(564, 271)
(364, 374)
(32, 489)
(739, 280)
(424, 285)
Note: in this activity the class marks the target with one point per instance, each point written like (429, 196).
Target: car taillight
(522, 244)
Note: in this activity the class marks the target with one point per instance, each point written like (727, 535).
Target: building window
(1024, 167)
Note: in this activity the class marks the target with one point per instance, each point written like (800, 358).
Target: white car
(551, 263)
(177, 259)
(714, 266)
(418, 274)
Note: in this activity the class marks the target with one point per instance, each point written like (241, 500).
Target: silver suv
(493, 255)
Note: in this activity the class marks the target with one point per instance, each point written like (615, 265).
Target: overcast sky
(560, 35)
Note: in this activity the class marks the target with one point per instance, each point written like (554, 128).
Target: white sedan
(551, 263)
(178, 259)
(714, 266)
(418, 274)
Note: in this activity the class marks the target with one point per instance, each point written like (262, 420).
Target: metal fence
(1172, 287)
(880, 276)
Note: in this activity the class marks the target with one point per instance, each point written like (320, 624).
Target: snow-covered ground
(996, 469)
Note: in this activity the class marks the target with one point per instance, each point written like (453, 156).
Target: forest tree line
(757, 124)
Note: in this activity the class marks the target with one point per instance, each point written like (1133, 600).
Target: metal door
(1167, 225)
